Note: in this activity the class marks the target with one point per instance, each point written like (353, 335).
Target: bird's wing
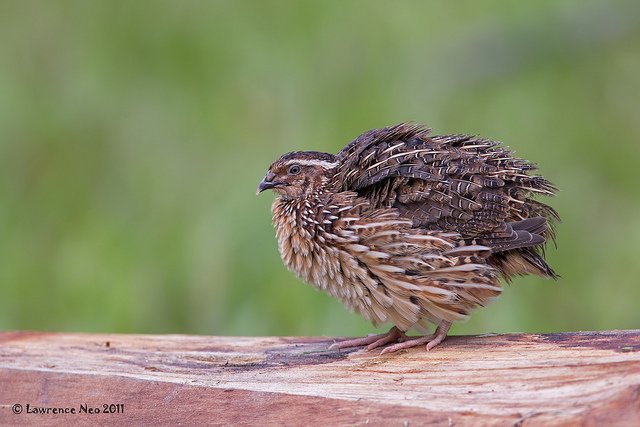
(460, 183)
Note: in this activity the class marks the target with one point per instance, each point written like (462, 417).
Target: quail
(410, 229)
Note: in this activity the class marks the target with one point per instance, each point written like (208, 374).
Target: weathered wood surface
(590, 378)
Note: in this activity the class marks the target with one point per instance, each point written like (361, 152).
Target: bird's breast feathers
(377, 264)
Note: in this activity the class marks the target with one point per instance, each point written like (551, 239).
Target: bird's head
(299, 174)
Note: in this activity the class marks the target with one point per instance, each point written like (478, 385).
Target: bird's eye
(294, 170)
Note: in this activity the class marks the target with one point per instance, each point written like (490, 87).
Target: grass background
(133, 135)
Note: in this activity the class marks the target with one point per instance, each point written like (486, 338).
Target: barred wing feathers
(460, 183)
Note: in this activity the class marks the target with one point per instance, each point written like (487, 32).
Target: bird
(411, 229)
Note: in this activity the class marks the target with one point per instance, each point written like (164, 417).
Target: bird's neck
(296, 217)
(300, 226)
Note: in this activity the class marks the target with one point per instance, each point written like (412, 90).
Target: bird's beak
(264, 185)
(267, 183)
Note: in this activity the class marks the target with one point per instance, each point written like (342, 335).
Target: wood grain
(584, 378)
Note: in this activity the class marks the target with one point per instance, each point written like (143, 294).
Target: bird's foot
(372, 341)
(430, 340)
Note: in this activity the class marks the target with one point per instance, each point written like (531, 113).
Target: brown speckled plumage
(407, 228)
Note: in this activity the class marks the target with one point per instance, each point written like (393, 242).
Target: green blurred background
(133, 136)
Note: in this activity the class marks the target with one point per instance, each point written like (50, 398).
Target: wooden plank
(590, 378)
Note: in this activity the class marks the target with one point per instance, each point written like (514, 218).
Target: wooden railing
(513, 379)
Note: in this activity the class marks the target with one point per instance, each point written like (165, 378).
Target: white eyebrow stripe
(306, 162)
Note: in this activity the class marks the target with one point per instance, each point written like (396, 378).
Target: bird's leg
(372, 341)
(431, 340)
(440, 334)
(394, 335)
